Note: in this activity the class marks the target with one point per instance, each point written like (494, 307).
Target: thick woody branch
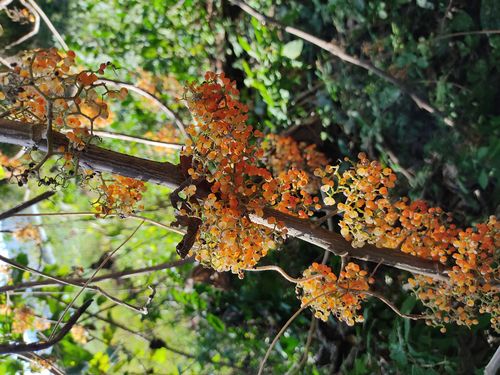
(170, 175)
(24, 205)
(93, 157)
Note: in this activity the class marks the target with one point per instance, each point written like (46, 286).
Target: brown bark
(170, 175)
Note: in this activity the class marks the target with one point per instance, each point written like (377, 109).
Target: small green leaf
(483, 179)
(216, 323)
(160, 355)
(293, 49)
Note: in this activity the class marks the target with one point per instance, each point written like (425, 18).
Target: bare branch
(111, 276)
(36, 346)
(339, 52)
(146, 94)
(32, 33)
(149, 142)
(465, 33)
(49, 24)
(143, 311)
(24, 205)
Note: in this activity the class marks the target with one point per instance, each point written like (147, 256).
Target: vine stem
(146, 94)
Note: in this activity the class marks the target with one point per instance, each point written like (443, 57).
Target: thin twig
(49, 24)
(149, 142)
(465, 33)
(59, 280)
(86, 284)
(88, 213)
(342, 289)
(146, 94)
(283, 273)
(287, 324)
(339, 52)
(32, 33)
(111, 276)
(23, 348)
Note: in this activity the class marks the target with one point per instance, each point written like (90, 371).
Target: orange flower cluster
(473, 286)
(229, 154)
(326, 294)
(28, 233)
(24, 318)
(284, 153)
(248, 173)
(223, 153)
(370, 216)
(120, 196)
(43, 89)
(79, 334)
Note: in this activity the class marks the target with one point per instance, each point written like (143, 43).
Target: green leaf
(244, 44)
(292, 49)
(216, 323)
(159, 355)
(483, 179)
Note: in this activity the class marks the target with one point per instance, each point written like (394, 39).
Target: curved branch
(49, 24)
(22, 206)
(146, 94)
(111, 276)
(32, 33)
(22, 348)
(149, 142)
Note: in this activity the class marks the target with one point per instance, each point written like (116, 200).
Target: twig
(5, 3)
(287, 324)
(337, 51)
(312, 328)
(32, 33)
(150, 142)
(283, 273)
(13, 211)
(23, 348)
(49, 24)
(146, 94)
(110, 276)
(88, 213)
(86, 284)
(59, 280)
(342, 289)
(465, 33)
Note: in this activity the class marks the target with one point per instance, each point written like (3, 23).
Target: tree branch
(111, 276)
(146, 94)
(26, 204)
(22, 348)
(339, 52)
(94, 157)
